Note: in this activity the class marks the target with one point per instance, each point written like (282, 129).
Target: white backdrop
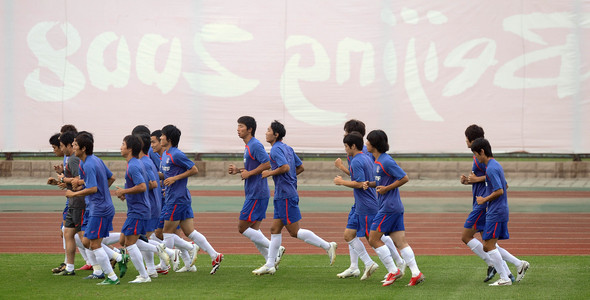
(420, 70)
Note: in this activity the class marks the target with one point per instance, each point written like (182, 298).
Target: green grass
(301, 276)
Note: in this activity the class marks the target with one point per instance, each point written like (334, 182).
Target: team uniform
(255, 187)
(77, 205)
(365, 201)
(286, 198)
(178, 200)
(138, 205)
(477, 217)
(496, 226)
(390, 217)
(99, 205)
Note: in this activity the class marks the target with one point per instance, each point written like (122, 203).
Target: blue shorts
(254, 210)
(388, 223)
(98, 227)
(363, 224)
(133, 226)
(85, 220)
(177, 212)
(476, 220)
(65, 213)
(152, 224)
(497, 230)
(287, 210)
(352, 222)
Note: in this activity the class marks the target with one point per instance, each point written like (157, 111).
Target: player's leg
(273, 249)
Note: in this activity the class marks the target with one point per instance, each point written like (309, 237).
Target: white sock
(507, 256)
(103, 260)
(137, 260)
(311, 238)
(360, 251)
(186, 258)
(143, 246)
(394, 254)
(112, 238)
(169, 240)
(182, 244)
(69, 267)
(148, 257)
(63, 238)
(273, 249)
(476, 246)
(354, 257)
(506, 269)
(155, 238)
(496, 259)
(408, 255)
(81, 247)
(259, 240)
(110, 253)
(385, 257)
(202, 242)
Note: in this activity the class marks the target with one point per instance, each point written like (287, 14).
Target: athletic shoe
(524, 266)
(85, 267)
(193, 254)
(187, 269)
(123, 264)
(416, 280)
(108, 281)
(511, 277)
(176, 260)
(349, 273)
(279, 257)
(162, 253)
(402, 267)
(369, 270)
(501, 282)
(65, 273)
(491, 274)
(332, 252)
(140, 279)
(264, 270)
(162, 271)
(153, 275)
(94, 276)
(391, 278)
(215, 263)
(60, 268)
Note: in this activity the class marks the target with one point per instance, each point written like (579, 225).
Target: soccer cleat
(524, 266)
(491, 274)
(402, 267)
(215, 263)
(279, 257)
(501, 282)
(162, 253)
(85, 267)
(162, 271)
(94, 276)
(187, 269)
(369, 270)
(153, 275)
(60, 268)
(65, 273)
(349, 273)
(108, 281)
(193, 254)
(123, 264)
(176, 260)
(140, 279)
(264, 270)
(332, 252)
(511, 278)
(391, 278)
(416, 279)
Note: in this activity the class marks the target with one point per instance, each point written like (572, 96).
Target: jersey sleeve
(298, 161)
(394, 170)
(260, 154)
(181, 160)
(356, 171)
(90, 175)
(135, 175)
(494, 179)
(278, 156)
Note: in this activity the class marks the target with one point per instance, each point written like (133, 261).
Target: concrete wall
(326, 169)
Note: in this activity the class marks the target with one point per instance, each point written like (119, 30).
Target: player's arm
(384, 189)
(188, 173)
(491, 197)
(299, 169)
(278, 171)
(139, 188)
(82, 193)
(348, 183)
(111, 180)
(153, 184)
(245, 173)
(340, 166)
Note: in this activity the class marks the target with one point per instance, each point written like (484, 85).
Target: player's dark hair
(67, 138)
(157, 133)
(139, 129)
(474, 132)
(279, 129)
(86, 133)
(354, 125)
(354, 138)
(54, 140)
(134, 143)
(145, 141)
(482, 144)
(378, 140)
(68, 127)
(249, 122)
(172, 133)
(85, 140)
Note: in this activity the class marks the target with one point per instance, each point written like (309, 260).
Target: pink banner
(420, 70)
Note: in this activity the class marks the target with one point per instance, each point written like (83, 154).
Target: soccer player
(176, 168)
(256, 189)
(96, 178)
(286, 165)
(496, 226)
(390, 218)
(365, 203)
(54, 142)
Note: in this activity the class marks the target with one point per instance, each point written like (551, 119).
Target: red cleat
(85, 268)
(416, 280)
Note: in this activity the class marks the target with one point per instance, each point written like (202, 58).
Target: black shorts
(74, 218)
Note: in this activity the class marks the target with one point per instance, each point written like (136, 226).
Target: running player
(286, 165)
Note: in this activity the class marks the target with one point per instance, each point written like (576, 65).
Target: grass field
(27, 276)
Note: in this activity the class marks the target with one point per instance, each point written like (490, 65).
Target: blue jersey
(175, 162)
(286, 183)
(388, 172)
(96, 174)
(478, 188)
(138, 205)
(255, 186)
(154, 157)
(155, 195)
(495, 180)
(361, 170)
